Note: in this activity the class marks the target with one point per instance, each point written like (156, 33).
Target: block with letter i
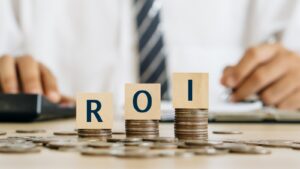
(190, 100)
(94, 115)
(142, 110)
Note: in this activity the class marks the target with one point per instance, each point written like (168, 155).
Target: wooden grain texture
(105, 112)
(199, 90)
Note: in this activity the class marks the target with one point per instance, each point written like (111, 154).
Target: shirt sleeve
(11, 38)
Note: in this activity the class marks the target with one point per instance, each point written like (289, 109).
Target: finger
(291, 102)
(278, 91)
(29, 74)
(49, 84)
(252, 58)
(227, 73)
(8, 75)
(262, 77)
(67, 101)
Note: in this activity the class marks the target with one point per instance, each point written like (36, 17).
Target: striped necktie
(152, 58)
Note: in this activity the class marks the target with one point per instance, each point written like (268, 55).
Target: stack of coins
(142, 128)
(191, 124)
(94, 133)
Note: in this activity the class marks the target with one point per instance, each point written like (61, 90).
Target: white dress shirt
(90, 45)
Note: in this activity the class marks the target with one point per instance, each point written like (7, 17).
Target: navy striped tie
(152, 58)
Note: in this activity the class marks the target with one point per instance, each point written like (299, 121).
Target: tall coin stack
(191, 124)
(142, 128)
(94, 133)
(190, 101)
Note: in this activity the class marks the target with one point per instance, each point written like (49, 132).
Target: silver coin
(2, 133)
(185, 154)
(96, 152)
(31, 131)
(162, 139)
(203, 143)
(209, 151)
(227, 132)
(136, 155)
(103, 145)
(65, 133)
(164, 146)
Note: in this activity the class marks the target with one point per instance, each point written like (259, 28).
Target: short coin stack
(142, 128)
(191, 124)
(94, 133)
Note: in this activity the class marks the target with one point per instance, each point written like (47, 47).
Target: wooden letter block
(142, 101)
(94, 111)
(190, 90)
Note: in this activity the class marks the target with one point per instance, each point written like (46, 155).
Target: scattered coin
(164, 146)
(295, 146)
(199, 143)
(15, 146)
(62, 145)
(227, 132)
(65, 133)
(162, 139)
(96, 152)
(136, 155)
(31, 131)
(114, 140)
(103, 145)
(185, 154)
(132, 139)
(118, 133)
(243, 148)
(2, 133)
(209, 151)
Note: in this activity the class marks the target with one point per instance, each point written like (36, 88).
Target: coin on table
(132, 139)
(42, 140)
(65, 133)
(164, 146)
(118, 132)
(203, 143)
(276, 143)
(184, 154)
(227, 132)
(31, 131)
(2, 133)
(244, 149)
(209, 151)
(167, 153)
(61, 144)
(162, 139)
(96, 152)
(102, 145)
(136, 155)
(114, 140)
(18, 150)
(295, 146)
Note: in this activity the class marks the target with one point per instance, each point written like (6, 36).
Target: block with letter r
(94, 111)
(142, 101)
(190, 90)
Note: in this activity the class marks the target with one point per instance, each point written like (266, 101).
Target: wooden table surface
(280, 157)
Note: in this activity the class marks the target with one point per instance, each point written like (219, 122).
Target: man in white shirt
(92, 46)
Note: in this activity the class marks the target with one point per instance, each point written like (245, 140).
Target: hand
(271, 71)
(25, 74)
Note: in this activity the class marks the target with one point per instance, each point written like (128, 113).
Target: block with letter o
(142, 101)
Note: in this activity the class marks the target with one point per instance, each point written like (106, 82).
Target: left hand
(270, 71)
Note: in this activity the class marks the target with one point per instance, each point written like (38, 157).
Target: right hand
(25, 75)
